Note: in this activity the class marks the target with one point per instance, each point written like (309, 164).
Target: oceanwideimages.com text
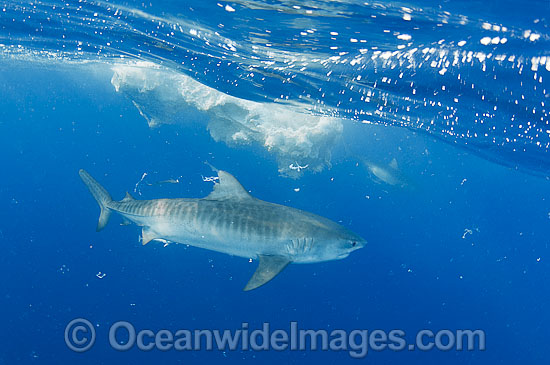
(80, 336)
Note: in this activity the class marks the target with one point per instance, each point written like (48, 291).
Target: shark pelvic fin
(125, 221)
(268, 268)
(147, 236)
(228, 188)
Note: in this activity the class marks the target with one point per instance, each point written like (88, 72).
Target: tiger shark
(231, 221)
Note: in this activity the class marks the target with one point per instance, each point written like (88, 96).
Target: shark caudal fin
(101, 195)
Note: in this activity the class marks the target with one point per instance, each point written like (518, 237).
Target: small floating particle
(467, 232)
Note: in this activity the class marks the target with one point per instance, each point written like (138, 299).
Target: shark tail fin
(101, 195)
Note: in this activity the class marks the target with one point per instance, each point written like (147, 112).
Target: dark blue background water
(421, 268)
(416, 272)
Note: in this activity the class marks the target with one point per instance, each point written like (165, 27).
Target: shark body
(231, 221)
(389, 174)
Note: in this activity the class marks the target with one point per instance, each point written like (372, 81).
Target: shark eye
(353, 243)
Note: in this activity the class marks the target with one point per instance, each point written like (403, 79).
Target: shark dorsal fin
(127, 197)
(268, 268)
(393, 164)
(228, 188)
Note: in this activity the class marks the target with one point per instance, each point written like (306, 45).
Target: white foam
(165, 96)
(485, 40)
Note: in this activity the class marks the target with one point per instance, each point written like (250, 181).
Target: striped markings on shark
(231, 221)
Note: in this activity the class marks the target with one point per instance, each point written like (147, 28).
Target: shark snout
(353, 245)
(358, 243)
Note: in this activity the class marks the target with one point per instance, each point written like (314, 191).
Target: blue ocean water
(420, 125)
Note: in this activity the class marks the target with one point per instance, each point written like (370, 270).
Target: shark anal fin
(268, 268)
(147, 236)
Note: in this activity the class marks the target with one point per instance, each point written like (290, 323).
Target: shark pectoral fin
(147, 236)
(268, 268)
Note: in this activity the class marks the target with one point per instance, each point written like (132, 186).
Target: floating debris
(136, 188)
(297, 167)
(210, 178)
(467, 232)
